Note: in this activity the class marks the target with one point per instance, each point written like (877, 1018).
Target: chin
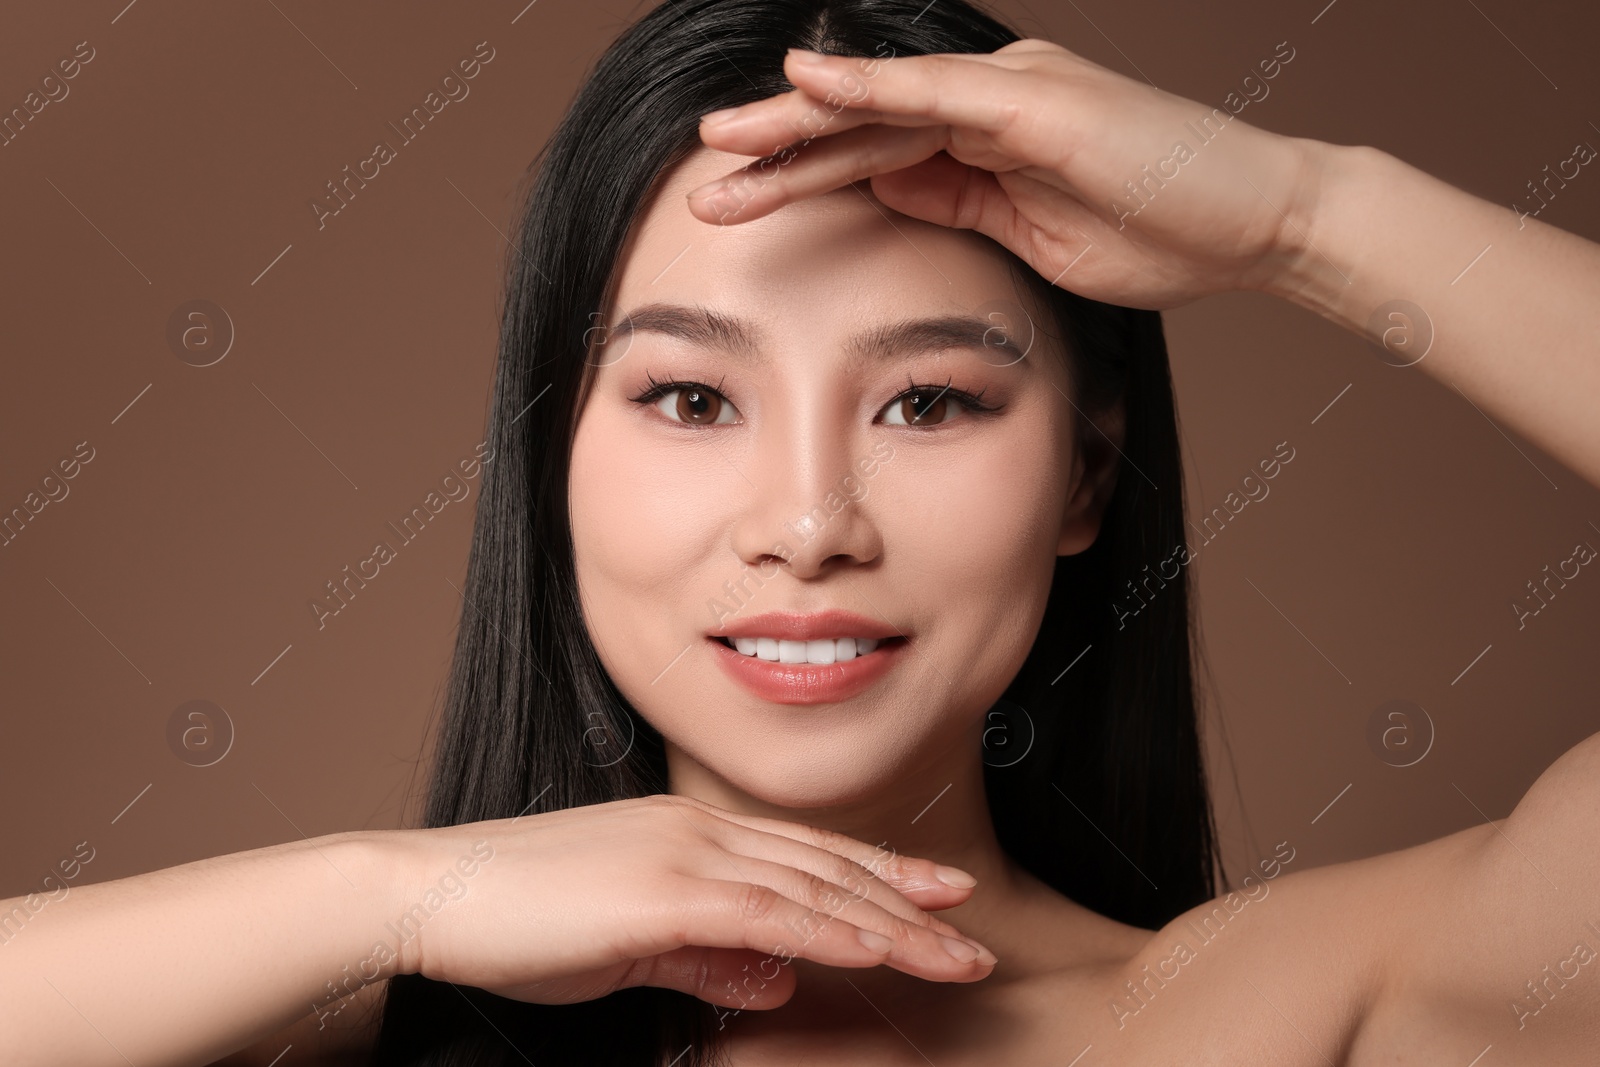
(806, 774)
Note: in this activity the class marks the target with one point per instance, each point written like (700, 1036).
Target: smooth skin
(1413, 956)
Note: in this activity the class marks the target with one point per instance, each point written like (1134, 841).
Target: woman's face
(795, 481)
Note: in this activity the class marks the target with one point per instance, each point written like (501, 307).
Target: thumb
(943, 190)
(1047, 227)
(728, 977)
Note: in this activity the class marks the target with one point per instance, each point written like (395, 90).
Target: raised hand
(1035, 147)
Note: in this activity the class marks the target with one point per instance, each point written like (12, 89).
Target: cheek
(980, 534)
(641, 533)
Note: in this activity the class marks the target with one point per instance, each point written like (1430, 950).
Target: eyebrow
(705, 328)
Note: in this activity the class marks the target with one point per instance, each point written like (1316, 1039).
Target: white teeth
(823, 651)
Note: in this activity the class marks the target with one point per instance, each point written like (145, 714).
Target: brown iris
(915, 407)
(699, 406)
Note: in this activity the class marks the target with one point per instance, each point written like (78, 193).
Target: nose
(809, 504)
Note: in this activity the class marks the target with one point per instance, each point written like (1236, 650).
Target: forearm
(1515, 329)
(182, 965)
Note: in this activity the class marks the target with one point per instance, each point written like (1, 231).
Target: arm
(183, 965)
(1110, 188)
(1517, 330)
(1502, 931)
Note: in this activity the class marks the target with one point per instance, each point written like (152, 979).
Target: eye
(690, 403)
(930, 405)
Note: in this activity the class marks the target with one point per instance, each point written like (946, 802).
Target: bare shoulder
(1500, 939)
(330, 1040)
(1292, 957)
(1487, 937)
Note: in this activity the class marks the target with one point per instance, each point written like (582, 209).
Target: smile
(801, 680)
(823, 651)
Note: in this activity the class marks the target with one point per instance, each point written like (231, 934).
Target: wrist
(390, 862)
(1311, 265)
(426, 873)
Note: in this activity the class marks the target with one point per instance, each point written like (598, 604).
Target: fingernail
(959, 949)
(706, 191)
(986, 957)
(805, 58)
(875, 941)
(711, 118)
(952, 876)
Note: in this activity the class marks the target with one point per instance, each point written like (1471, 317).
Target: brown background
(180, 566)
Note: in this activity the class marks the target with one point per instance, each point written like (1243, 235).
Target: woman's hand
(668, 891)
(1034, 147)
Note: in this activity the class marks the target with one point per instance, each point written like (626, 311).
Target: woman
(897, 399)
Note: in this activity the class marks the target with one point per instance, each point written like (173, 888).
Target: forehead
(826, 261)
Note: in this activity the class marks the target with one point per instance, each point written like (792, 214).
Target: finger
(904, 873)
(927, 947)
(742, 845)
(945, 191)
(718, 913)
(834, 930)
(957, 89)
(836, 101)
(792, 118)
(729, 978)
(823, 166)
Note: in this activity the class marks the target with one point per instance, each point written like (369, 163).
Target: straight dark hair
(1115, 751)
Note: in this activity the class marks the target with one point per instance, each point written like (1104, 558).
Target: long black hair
(1109, 806)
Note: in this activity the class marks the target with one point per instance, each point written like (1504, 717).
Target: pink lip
(807, 683)
(793, 626)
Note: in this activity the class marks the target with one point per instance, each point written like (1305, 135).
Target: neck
(937, 811)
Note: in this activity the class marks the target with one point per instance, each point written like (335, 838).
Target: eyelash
(971, 402)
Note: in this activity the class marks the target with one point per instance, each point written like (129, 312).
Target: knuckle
(755, 903)
(887, 864)
(855, 878)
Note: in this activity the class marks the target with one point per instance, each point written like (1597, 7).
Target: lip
(806, 683)
(794, 626)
